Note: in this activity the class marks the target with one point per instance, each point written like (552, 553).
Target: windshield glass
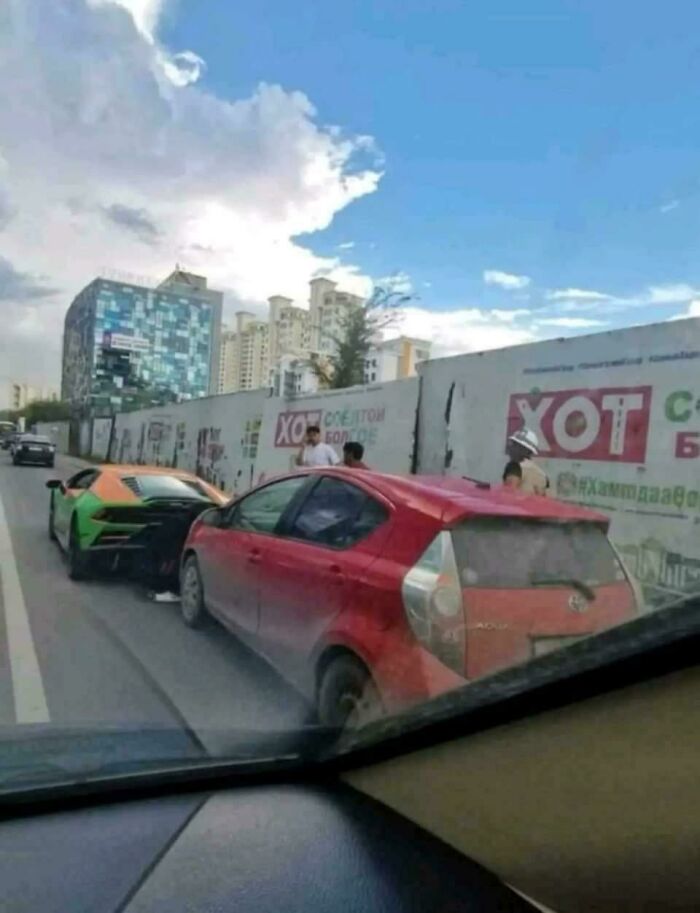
(348, 365)
(163, 486)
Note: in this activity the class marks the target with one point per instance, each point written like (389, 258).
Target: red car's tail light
(432, 599)
(447, 601)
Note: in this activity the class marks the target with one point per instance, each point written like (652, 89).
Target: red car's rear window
(510, 552)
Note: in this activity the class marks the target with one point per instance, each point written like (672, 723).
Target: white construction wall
(57, 432)
(216, 437)
(237, 439)
(101, 436)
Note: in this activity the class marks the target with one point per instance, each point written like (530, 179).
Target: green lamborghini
(108, 513)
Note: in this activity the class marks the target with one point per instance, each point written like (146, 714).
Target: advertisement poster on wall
(380, 417)
(617, 417)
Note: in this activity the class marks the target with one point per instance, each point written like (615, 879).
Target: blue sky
(556, 140)
(533, 168)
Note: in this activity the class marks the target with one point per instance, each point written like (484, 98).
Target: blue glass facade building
(127, 345)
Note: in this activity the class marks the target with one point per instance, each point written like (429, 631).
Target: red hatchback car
(373, 592)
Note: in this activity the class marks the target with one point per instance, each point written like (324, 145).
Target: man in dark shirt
(353, 452)
(162, 560)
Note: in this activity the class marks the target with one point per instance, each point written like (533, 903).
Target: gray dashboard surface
(261, 849)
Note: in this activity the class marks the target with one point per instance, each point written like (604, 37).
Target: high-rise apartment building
(289, 328)
(292, 376)
(257, 354)
(22, 394)
(126, 344)
(228, 369)
(394, 359)
(244, 355)
(328, 309)
(277, 353)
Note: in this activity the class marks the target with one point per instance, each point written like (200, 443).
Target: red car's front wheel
(192, 594)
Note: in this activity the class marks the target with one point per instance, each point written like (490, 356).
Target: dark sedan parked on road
(33, 448)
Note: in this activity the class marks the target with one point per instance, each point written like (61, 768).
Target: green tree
(48, 410)
(359, 330)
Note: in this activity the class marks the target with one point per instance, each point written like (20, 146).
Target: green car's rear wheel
(52, 530)
(77, 559)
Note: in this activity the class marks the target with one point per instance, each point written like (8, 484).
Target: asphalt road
(100, 652)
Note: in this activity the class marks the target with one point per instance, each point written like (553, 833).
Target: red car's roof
(452, 498)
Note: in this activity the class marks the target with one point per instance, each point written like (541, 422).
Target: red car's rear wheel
(347, 696)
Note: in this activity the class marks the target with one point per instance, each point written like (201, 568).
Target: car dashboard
(259, 849)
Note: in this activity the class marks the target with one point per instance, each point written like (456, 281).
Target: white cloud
(145, 13)
(97, 142)
(508, 316)
(477, 329)
(577, 294)
(670, 206)
(577, 299)
(571, 323)
(346, 245)
(669, 294)
(182, 69)
(505, 280)
(693, 311)
(465, 330)
(397, 282)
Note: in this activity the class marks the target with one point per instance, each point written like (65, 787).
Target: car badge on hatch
(578, 602)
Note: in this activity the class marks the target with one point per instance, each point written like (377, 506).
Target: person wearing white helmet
(522, 446)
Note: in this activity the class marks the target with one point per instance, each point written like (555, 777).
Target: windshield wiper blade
(34, 773)
(573, 582)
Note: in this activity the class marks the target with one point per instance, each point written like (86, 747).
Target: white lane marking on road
(27, 684)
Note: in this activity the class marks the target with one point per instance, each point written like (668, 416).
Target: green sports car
(111, 512)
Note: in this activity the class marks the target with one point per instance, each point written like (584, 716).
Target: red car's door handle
(336, 574)
(254, 556)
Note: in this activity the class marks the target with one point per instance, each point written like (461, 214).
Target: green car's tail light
(432, 599)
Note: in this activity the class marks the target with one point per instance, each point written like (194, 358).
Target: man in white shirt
(314, 452)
